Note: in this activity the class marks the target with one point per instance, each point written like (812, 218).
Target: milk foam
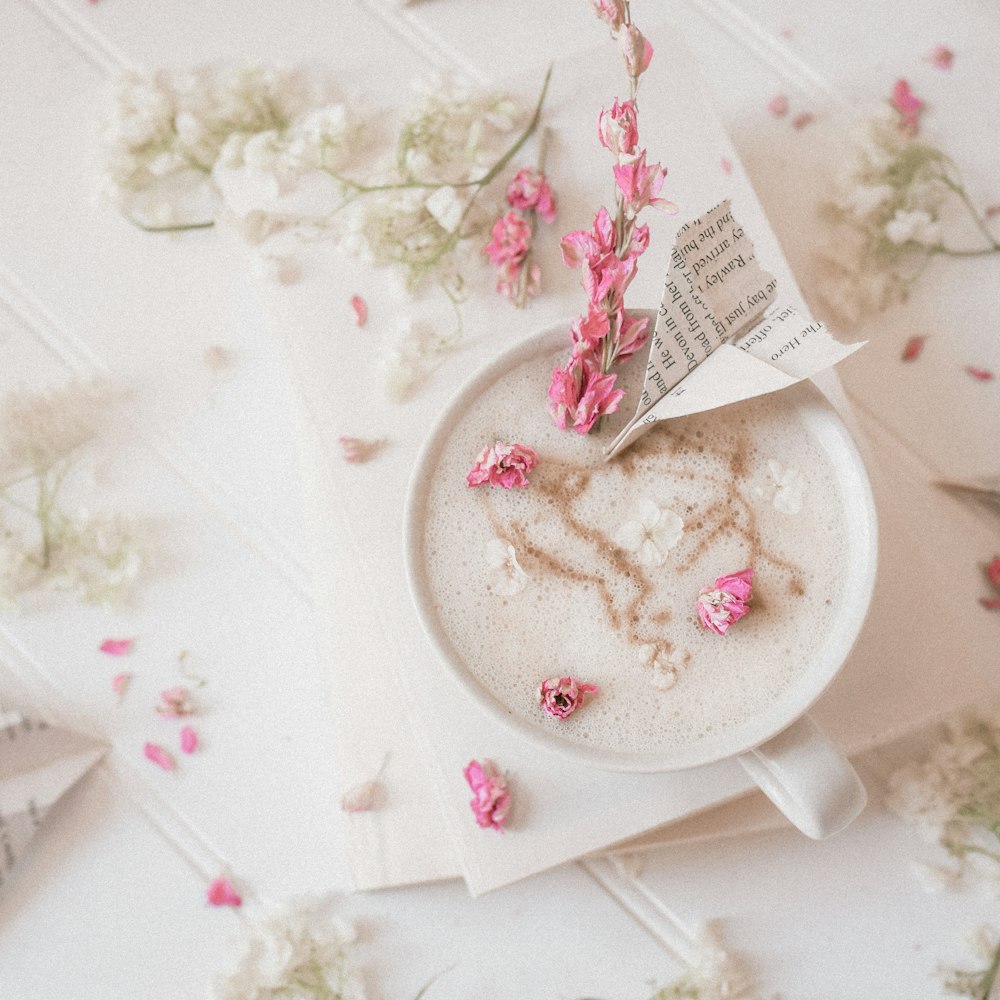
(591, 610)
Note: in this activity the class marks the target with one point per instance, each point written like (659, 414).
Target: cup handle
(807, 778)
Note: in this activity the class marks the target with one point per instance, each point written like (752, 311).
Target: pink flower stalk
(491, 797)
(631, 334)
(914, 346)
(618, 128)
(117, 647)
(725, 603)
(511, 239)
(611, 12)
(584, 246)
(589, 330)
(360, 308)
(176, 702)
(529, 191)
(908, 105)
(120, 683)
(189, 739)
(636, 50)
(160, 757)
(640, 184)
(579, 394)
(222, 893)
(941, 56)
(502, 464)
(562, 696)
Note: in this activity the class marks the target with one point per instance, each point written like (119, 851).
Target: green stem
(990, 975)
(942, 250)
(169, 229)
(981, 225)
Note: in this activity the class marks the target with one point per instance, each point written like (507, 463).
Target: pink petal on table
(908, 105)
(981, 374)
(913, 348)
(120, 682)
(941, 56)
(990, 603)
(189, 739)
(801, 120)
(117, 647)
(159, 756)
(993, 571)
(727, 167)
(360, 308)
(778, 105)
(222, 893)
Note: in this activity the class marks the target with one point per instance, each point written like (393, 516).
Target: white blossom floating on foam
(789, 488)
(506, 578)
(664, 671)
(651, 534)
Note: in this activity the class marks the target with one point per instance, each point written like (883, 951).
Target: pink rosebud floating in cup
(490, 796)
(503, 464)
(562, 696)
(725, 603)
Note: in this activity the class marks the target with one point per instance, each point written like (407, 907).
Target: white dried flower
(789, 487)
(505, 577)
(651, 533)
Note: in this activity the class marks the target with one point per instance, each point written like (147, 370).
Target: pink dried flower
(778, 106)
(176, 702)
(908, 105)
(511, 239)
(941, 56)
(562, 696)
(589, 330)
(189, 739)
(519, 281)
(529, 191)
(913, 348)
(491, 797)
(618, 128)
(120, 683)
(357, 450)
(222, 893)
(360, 308)
(117, 647)
(579, 394)
(159, 756)
(725, 603)
(611, 12)
(980, 374)
(636, 50)
(993, 572)
(640, 184)
(802, 119)
(631, 334)
(503, 464)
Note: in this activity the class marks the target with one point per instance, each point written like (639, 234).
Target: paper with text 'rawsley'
(721, 333)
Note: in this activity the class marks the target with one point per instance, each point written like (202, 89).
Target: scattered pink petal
(189, 739)
(218, 358)
(360, 308)
(176, 702)
(360, 798)
(727, 167)
(357, 450)
(908, 105)
(562, 696)
(981, 374)
(990, 603)
(778, 106)
(913, 348)
(941, 56)
(993, 572)
(491, 797)
(222, 893)
(117, 647)
(159, 756)
(804, 118)
(503, 464)
(726, 602)
(120, 683)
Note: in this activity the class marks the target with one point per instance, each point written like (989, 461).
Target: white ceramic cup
(782, 749)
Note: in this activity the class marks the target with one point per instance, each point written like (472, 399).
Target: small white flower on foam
(788, 488)
(506, 578)
(651, 534)
(664, 671)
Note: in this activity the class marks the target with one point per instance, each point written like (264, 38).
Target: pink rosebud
(529, 191)
(636, 50)
(360, 308)
(491, 797)
(189, 739)
(980, 374)
(908, 105)
(611, 12)
(511, 239)
(941, 56)
(913, 348)
(618, 128)
(159, 756)
(222, 893)
(562, 696)
(993, 572)
(357, 450)
(120, 683)
(117, 647)
(176, 702)
(801, 120)
(778, 106)
(503, 464)
(579, 394)
(725, 603)
(640, 184)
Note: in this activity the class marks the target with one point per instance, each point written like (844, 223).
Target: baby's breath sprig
(976, 983)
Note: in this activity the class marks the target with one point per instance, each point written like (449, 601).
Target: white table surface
(110, 901)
